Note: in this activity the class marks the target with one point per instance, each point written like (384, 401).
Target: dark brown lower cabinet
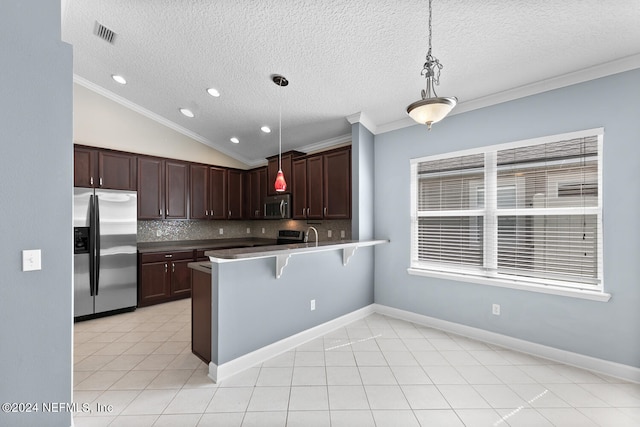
(164, 276)
(201, 315)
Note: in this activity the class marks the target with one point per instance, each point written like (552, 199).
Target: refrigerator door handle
(97, 249)
(92, 245)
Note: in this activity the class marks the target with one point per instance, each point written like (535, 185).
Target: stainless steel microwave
(277, 207)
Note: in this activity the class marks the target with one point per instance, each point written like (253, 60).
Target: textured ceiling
(341, 57)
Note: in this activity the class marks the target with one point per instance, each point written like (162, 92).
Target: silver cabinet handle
(91, 180)
(229, 213)
(165, 267)
(173, 267)
(325, 211)
(167, 212)
(160, 212)
(168, 256)
(100, 181)
(206, 212)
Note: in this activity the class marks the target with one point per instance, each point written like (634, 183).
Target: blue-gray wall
(256, 309)
(362, 178)
(35, 194)
(610, 331)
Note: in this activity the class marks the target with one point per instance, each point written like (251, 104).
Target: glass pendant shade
(431, 110)
(280, 184)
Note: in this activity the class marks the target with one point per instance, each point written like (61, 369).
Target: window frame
(487, 274)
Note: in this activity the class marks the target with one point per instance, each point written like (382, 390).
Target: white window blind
(526, 211)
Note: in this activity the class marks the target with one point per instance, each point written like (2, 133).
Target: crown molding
(364, 120)
(157, 118)
(326, 144)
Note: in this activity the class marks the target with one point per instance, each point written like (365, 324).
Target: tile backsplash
(158, 231)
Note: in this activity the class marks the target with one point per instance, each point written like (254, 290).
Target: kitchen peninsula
(249, 304)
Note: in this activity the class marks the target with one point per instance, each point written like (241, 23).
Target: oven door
(277, 207)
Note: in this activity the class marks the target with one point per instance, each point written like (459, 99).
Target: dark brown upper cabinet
(208, 189)
(255, 191)
(163, 188)
(235, 194)
(98, 168)
(337, 184)
(176, 189)
(322, 185)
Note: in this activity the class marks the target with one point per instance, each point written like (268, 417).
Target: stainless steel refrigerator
(105, 251)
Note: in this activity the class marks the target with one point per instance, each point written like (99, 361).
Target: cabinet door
(150, 188)
(177, 185)
(117, 171)
(217, 193)
(299, 188)
(180, 278)
(256, 187)
(315, 186)
(199, 192)
(154, 283)
(337, 184)
(234, 194)
(84, 167)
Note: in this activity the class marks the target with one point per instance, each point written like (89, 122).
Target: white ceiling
(341, 57)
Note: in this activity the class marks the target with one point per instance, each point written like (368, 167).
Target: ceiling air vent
(104, 33)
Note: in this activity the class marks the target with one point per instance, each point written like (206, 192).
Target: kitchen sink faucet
(306, 236)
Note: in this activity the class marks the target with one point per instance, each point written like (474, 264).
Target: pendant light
(280, 184)
(431, 108)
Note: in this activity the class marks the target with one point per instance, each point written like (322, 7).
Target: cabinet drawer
(166, 256)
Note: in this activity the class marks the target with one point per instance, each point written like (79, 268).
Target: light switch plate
(31, 260)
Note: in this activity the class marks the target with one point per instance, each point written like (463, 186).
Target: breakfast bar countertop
(291, 249)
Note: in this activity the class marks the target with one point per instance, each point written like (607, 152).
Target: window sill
(511, 284)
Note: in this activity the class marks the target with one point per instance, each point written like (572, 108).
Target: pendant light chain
(429, 27)
(280, 130)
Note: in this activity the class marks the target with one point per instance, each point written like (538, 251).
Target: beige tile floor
(377, 371)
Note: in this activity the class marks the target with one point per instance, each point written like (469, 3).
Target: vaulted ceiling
(341, 57)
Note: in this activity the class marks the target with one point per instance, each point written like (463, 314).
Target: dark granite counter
(212, 244)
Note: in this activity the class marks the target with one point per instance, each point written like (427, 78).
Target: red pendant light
(280, 184)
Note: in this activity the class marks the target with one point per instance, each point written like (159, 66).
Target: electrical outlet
(262, 230)
(342, 234)
(248, 230)
(313, 304)
(495, 309)
(158, 233)
(222, 231)
(329, 233)
(31, 260)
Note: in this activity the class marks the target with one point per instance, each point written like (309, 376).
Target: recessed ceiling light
(235, 140)
(187, 112)
(213, 92)
(119, 79)
(265, 129)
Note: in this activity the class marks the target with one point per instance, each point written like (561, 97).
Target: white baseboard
(618, 370)
(235, 366)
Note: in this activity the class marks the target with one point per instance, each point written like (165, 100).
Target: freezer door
(82, 298)
(116, 275)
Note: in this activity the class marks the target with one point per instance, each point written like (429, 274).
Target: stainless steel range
(287, 237)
